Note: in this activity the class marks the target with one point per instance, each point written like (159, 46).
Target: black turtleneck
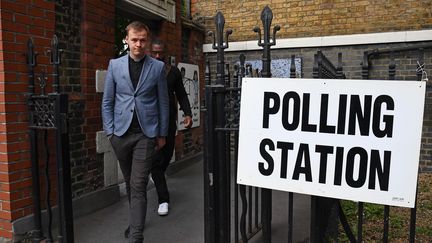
(135, 69)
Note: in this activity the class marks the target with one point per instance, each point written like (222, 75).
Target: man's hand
(188, 121)
(160, 142)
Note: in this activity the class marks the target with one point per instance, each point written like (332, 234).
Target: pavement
(185, 222)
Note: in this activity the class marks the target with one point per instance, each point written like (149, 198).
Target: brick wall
(188, 142)
(426, 149)
(19, 21)
(86, 31)
(191, 140)
(68, 21)
(90, 36)
(85, 35)
(352, 57)
(319, 18)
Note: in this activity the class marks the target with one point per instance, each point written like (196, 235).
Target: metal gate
(48, 116)
(235, 213)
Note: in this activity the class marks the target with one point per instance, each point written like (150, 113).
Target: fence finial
(55, 60)
(220, 45)
(267, 42)
(31, 63)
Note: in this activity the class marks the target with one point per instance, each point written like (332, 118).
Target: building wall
(300, 18)
(190, 141)
(87, 167)
(19, 21)
(85, 30)
(96, 31)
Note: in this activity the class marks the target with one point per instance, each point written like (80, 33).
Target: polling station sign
(348, 139)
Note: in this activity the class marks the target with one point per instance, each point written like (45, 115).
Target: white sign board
(190, 75)
(348, 139)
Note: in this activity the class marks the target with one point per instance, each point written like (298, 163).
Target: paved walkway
(185, 222)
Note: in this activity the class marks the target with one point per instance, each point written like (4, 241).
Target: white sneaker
(163, 209)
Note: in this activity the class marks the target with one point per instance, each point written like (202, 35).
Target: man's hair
(137, 25)
(158, 42)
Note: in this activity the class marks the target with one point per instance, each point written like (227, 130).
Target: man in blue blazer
(135, 118)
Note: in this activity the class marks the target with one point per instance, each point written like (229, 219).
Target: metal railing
(48, 112)
(251, 207)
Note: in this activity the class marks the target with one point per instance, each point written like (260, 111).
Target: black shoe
(126, 233)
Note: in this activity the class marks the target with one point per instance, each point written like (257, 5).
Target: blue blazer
(149, 99)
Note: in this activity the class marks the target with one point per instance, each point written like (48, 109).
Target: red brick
(46, 5)
(15, 27)
(9, 158)
(4, 177)
(19, 166)
(7, 15)
(27, 211)
(37, 31)
(18, 177)
(15, 87)
(4, 187)
(23, 19)
(19, 204)
(6, 225)
(4, 157)
(4, 167)
(50, 15)
(5, 215)
(14, 7)
(6, 206)
(42, 22)
(7, 36)
(17, 47)
(8, 76)
(5, 196)
(6, 233)
(36, 12)
(21, 38)
(20, 184)
(17, 214)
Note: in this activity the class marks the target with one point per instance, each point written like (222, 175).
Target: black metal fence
(235, 213)
(48, 115)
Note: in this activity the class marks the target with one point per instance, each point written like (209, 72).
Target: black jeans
(135, 153)
(163, 160)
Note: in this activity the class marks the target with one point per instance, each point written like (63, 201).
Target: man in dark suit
(176, 92)
(135, 119)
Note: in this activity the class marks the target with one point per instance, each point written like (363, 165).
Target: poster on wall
(190, 75)
(348, 139)
(280, 68)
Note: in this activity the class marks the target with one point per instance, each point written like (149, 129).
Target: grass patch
(399, 219)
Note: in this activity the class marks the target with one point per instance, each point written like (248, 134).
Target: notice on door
(347, 139)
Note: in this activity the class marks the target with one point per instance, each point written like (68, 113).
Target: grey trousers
(135, 153)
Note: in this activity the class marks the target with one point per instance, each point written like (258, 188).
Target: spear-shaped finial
(220, 45)
(55, 59)
(31, 63)
(267, 41)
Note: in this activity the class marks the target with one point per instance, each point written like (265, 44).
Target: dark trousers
(135, 153)
(160, 166)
